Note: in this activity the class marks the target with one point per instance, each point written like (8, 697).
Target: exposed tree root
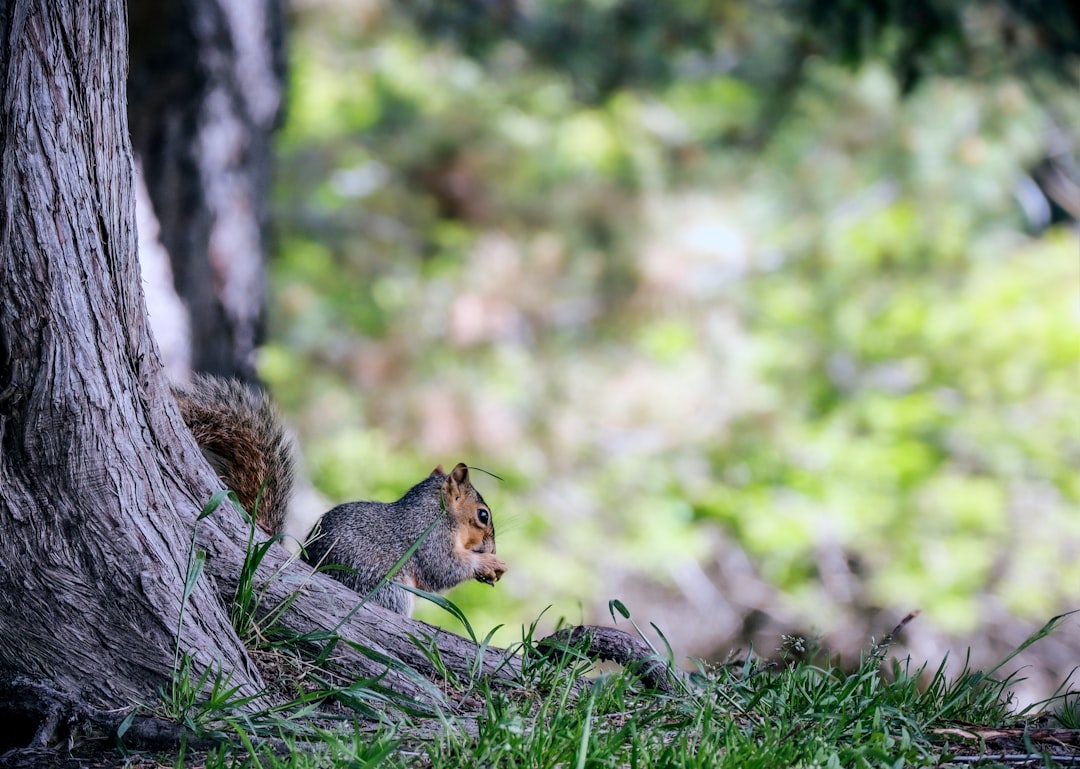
(35, 717)
(612, 645)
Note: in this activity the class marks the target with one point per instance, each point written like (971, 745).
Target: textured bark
(99, 479)
(205, 96)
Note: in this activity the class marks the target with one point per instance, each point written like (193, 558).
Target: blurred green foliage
(663, 318)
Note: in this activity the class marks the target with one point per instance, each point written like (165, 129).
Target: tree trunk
(99, 479)
(205, 95)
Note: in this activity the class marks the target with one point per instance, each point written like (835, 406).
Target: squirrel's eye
(483, 516)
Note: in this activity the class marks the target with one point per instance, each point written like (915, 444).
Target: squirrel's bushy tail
(242, 437)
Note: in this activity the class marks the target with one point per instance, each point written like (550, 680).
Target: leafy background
(761, 332)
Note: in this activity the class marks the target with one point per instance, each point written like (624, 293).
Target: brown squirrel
(245, 442)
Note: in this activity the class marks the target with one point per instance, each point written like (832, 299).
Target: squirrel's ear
(438, 471)
(460, 474)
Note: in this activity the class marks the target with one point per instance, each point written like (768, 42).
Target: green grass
(810, 710)
(745, 715)
(882, 713)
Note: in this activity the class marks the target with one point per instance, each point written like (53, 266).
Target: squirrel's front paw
(489, 568)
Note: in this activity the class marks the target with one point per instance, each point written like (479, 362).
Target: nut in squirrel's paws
(488, 569)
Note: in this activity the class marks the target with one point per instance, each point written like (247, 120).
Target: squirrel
(370, 537)
(246, 443)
